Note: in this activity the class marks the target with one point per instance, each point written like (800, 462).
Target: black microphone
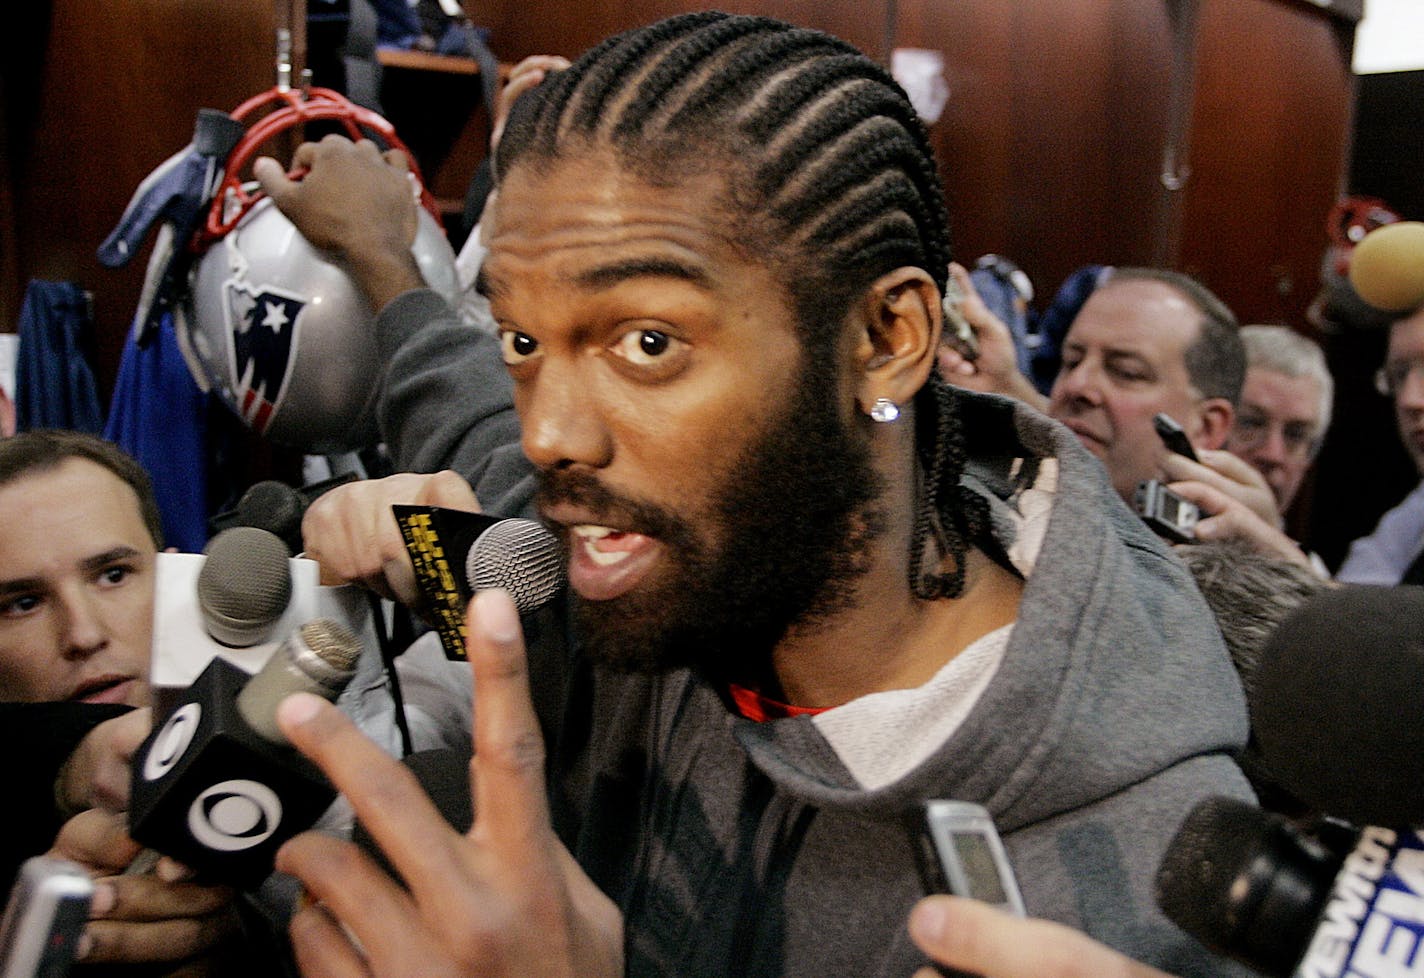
(456, 553)
(1337, 713)
(276, 507)
(1337, 709)
(217, 786)
(244, 587)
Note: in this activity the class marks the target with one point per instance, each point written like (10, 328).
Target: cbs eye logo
(172, 741)
(234, 815)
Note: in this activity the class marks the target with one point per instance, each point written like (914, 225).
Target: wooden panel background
(1051, 144)
(110, 90)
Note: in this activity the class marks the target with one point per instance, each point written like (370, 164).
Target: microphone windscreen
(1387, 266)
(244, 586)
(1245, 882)
(319, 657)
(522, 557)
(1338, 706)
(275, 507)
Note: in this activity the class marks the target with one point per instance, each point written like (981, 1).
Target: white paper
(9, 350)
(920, 73)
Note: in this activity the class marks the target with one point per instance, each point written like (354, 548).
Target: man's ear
(1215, 415)
(900, 323)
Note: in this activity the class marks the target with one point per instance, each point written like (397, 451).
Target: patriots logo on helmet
(263, 323)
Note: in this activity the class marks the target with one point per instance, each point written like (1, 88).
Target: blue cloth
(54, 380)
(159, 416)
(1001, 296)
(176, 193)
(1052, 324)
(397, 23)
(1384, 555)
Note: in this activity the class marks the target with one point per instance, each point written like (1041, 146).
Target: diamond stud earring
(884, 410)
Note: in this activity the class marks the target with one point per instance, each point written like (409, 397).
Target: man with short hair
(1145, 341)
(1285, 407)
(812, 586)
(1394, 552)
(79, 535)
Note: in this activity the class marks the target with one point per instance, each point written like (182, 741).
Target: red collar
(755, 706)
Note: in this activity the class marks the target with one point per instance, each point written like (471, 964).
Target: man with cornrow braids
(811, 586)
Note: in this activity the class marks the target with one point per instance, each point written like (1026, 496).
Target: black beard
(795, 527)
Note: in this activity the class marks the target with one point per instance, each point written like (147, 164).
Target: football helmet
(272, 325)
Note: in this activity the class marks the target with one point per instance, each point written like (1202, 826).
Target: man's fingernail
(928, 920)
(172, 871)
(496, 615)
(298, 708)
(103, 900)
(84, 947)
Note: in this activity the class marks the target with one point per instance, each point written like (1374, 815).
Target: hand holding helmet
(279, 320)
(355, 202)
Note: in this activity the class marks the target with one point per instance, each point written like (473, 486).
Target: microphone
(319, 658)
(1251, 885)
(276, 507)
(244, 586)
(1336, 718)
(456, 553)
(217, 786)
(1387, 266)
(1337, 708)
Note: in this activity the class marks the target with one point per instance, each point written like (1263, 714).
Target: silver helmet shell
(283, 336)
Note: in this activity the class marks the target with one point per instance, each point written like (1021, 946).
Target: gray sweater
(742, 848)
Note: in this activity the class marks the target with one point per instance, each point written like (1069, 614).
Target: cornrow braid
(829, 179)
(794, 114)
(948, 511)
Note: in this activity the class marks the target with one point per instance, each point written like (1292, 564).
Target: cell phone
(1174, 437)
(957, 331)
(959, 852)
(1171, 516)
(48, 908)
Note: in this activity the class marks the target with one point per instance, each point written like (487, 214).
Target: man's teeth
(590, 535)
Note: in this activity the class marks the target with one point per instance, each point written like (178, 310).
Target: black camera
(1171, 516)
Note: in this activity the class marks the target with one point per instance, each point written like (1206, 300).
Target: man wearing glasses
(1394, 553)
(1284, 409)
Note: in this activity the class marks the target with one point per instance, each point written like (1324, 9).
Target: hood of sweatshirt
(1114, 670)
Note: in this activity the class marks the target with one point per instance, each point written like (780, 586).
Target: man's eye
(644, 346)
(517, 347)
(114, 575)
(16, 607)
(1128, 373)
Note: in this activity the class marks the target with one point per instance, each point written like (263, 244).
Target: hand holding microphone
(217, 786)
(352, 536)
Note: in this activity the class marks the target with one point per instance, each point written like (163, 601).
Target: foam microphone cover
(1245, 883)
(275, 507)
(244, 586)
(1387, 266)
(1337, 711)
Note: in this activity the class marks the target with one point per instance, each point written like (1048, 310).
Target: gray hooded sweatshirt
(783, 847)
